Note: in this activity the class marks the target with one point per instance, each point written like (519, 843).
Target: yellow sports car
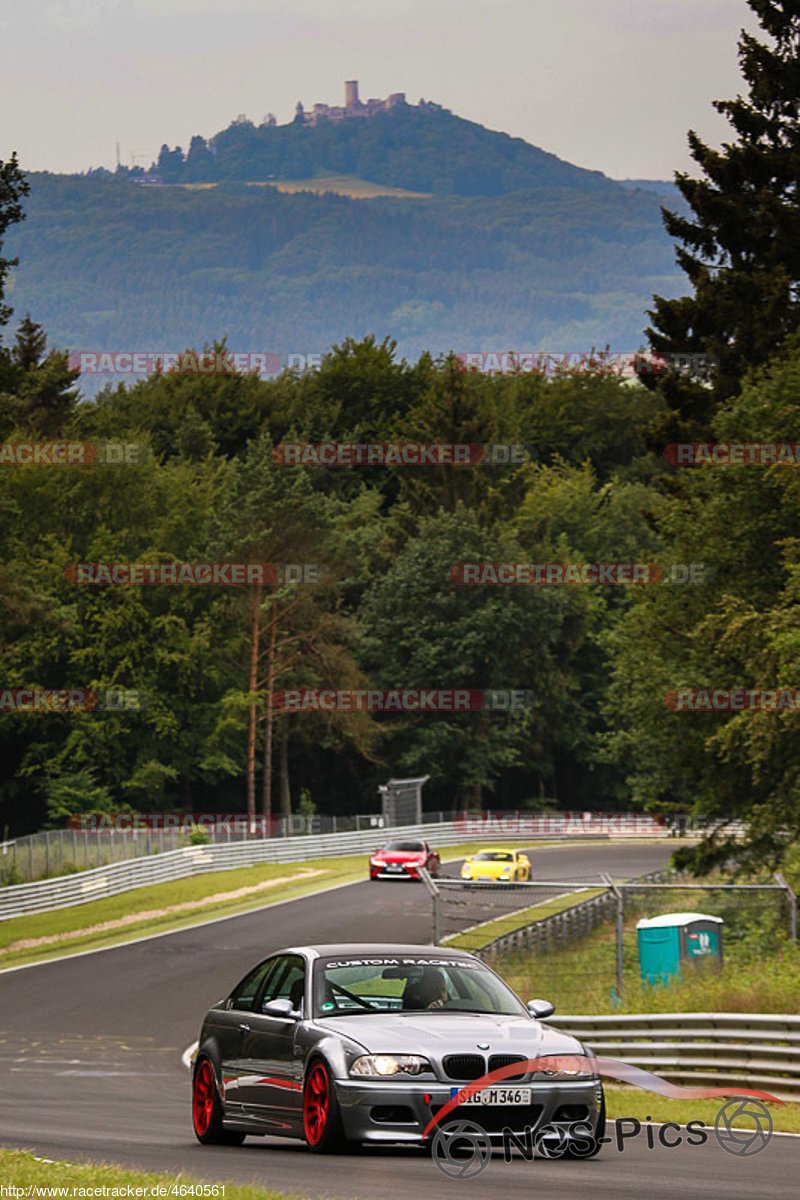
(497, 866)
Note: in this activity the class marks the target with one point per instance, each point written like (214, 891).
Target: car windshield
(409, 983)
(417, 847)
(494, 856)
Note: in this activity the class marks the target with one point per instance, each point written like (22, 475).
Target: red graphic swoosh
(611, 1068)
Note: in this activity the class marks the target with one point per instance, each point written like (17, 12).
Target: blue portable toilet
(672, 938)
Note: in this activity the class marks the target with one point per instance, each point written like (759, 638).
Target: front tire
(322, 1120)
(207, 1110)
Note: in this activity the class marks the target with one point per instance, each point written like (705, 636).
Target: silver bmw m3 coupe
(341, 1044)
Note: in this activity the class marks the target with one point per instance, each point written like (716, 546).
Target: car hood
(440, 1033)
(400, 855)
(489, 867)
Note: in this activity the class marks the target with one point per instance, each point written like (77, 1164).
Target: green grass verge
(487, 931)
(761, 971)
(647, 1106)
(74, 925)
(20, 1169)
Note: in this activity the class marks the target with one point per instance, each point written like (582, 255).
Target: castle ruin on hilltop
(353, 107)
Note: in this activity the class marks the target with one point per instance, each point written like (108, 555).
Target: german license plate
(394, 867)
(498, 1095)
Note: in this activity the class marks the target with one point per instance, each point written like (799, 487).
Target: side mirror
(280, 1008)
(540, 1008)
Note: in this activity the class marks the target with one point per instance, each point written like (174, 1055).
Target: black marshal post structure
(401, 801)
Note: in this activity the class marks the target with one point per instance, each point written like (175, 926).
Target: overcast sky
(608, 84)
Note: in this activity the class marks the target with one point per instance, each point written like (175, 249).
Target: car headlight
(577, 1074)
(380, 1065)
(376, 862)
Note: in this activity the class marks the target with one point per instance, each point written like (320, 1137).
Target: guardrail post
(620, 914)
(433, 892)
(792, 898)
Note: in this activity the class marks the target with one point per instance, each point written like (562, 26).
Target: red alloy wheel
(203, 1097)
(315, 1104)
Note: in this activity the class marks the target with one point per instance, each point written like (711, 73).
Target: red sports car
(402, 860)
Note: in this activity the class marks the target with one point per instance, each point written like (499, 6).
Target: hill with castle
(420, 148)
(510, 247)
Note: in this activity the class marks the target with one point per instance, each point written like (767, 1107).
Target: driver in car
(430, 991)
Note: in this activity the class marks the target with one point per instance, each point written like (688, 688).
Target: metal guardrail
(82, 887)
(110, 880)
(556, 929)
(559, 928)
(756, 1050)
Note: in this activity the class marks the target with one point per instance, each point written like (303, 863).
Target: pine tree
(741, 248)
(30, 344)
(13, 186)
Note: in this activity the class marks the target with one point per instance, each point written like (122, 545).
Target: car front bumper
(408, 872)
(379, 1111)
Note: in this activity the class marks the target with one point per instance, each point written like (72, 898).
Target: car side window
(286, 983)
(244, 994)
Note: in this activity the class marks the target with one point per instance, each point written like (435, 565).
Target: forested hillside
(107, 264)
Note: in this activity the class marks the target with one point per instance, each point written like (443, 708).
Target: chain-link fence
(63, 851)
(580, 949)
(97, 842)
(471, 915)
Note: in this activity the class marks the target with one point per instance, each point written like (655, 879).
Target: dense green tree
(29, 345)
(270, 513)
(424, 630)
(199, 161)
(13, 186)
(170, 164)
(168, 645)
(736, 628)
(740, 247)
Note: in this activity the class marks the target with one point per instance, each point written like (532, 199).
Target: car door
(227, 1027)
(272, 1082)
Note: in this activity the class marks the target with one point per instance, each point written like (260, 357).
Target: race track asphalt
(90, 1062)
